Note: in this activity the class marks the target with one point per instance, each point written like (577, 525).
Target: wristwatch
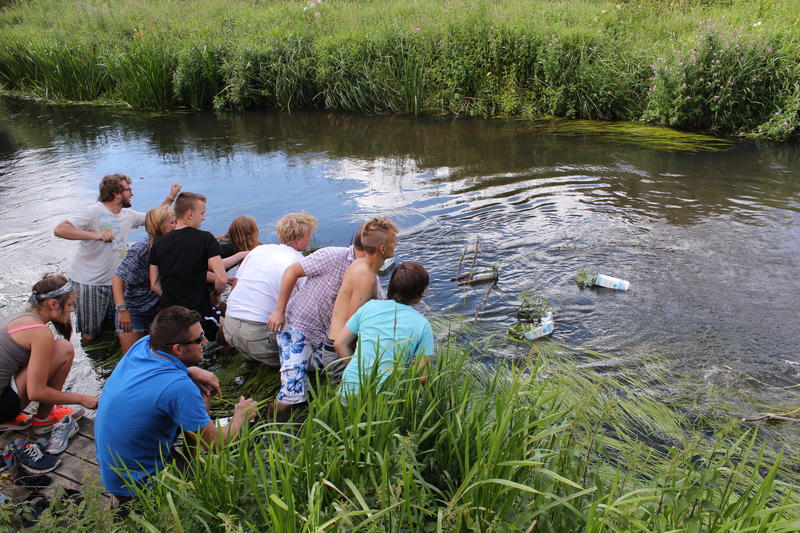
(122, 307)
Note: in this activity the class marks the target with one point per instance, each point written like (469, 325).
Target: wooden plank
(86, 428)
(76, 469)
(80, 446)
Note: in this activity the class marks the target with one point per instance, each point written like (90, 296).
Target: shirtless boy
(359, 285)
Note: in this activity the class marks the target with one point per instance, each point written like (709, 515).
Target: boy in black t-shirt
(180, 259)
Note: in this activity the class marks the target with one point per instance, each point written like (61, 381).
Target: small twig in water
(475, 255)
(770, 416)
(458, 270)
(767, 385)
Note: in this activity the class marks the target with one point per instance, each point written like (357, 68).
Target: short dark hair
(408, 283)
(171, 326)
(185, 202)
(111, 184)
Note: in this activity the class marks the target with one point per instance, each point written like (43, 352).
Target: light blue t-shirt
(386, 330)
(147, 399)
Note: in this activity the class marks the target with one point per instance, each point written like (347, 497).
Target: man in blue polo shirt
(153, 393)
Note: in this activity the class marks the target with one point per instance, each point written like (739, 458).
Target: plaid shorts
(94, 305)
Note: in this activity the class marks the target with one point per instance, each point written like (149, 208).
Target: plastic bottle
(602, 280)
(545, 328)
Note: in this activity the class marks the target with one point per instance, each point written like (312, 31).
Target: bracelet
(122, 307)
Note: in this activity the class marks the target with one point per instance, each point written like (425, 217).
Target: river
(710, 241)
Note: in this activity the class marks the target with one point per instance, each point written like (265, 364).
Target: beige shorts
(253, 339)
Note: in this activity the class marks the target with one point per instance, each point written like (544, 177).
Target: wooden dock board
(78, 465)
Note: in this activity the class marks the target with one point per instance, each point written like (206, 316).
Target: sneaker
(34, 460)
(64, 430)
(40, 427)
(22, 421)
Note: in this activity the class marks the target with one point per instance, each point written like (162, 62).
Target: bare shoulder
(23, 321)
(358, 271)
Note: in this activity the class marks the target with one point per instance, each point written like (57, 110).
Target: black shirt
(182, 259)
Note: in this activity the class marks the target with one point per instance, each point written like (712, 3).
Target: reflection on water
(709, 241)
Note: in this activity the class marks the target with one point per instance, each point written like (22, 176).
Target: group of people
(297, 313)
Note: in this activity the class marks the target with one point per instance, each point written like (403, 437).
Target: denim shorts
(140, 322)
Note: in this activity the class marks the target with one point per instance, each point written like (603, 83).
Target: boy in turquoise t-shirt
(386, 330)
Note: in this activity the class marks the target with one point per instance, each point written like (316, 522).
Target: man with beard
(102, 229)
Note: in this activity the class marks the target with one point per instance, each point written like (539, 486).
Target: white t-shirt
(259, 280)
(96, 261)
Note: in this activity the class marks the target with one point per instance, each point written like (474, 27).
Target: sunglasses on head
(198, 340)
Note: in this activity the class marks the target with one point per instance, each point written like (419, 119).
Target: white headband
(37, 297)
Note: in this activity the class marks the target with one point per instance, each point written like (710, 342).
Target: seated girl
(33, 364)
(242, 236)
(389, 332)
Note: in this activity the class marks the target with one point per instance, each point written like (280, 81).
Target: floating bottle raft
(601, 280)
(477, 277)
(535, 315)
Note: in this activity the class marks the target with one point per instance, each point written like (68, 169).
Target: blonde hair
(154, 221)
(243, 233)
(295, 226)
(377, 232)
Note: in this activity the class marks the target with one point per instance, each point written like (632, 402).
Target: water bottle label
(612, 283)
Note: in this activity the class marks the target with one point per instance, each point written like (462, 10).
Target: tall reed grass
(720, 66)
(542, 445)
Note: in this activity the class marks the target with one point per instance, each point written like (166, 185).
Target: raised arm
(66, 230)
(174, 190)
(288, 282)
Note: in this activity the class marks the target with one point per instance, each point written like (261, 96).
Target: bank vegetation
(548, 444)
(722, 66)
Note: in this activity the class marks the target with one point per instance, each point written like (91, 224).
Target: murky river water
(710, 241)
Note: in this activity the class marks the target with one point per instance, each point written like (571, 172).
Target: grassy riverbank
(720, 66)
(545, 445)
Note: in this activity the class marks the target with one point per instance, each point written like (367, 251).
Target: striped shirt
(310, 308)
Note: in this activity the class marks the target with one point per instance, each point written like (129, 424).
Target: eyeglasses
(198, 340)
(127, 189)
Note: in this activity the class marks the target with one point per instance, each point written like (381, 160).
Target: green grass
(726, 66)
(544, 444)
